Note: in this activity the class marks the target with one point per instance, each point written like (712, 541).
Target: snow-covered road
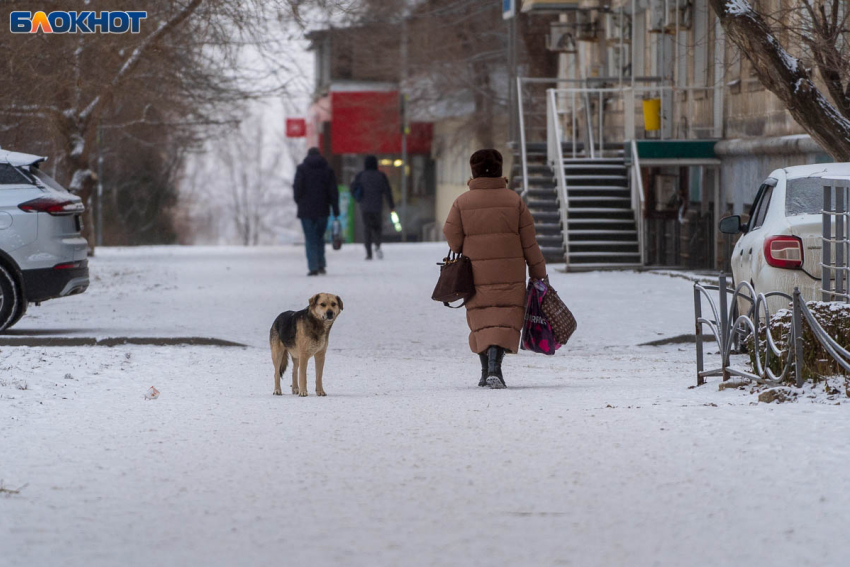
(600, 455)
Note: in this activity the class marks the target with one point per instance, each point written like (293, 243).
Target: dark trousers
(372, 226)
(314, 240)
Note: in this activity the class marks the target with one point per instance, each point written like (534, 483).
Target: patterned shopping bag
(537, 333)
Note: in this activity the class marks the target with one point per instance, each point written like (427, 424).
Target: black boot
(484, 368)
(495, 354)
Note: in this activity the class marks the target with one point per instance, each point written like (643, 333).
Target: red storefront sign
(369, 122)
(296, 128)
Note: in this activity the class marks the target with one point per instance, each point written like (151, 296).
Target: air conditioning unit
(618, 27)
(561, 38)
(586, 26)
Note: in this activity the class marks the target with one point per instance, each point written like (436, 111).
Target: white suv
(42, 255)
(780, 248)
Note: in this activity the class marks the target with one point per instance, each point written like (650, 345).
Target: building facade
(357, 110)
(662, 73)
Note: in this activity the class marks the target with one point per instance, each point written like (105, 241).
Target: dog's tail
(284, 362)
(280, 354)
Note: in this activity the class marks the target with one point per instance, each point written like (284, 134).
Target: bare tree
(183, 72)
(460, 48)
(243, 178)
(457, 57)
(819, 28)
(251, 179)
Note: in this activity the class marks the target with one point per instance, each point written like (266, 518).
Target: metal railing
(835, 279)
(576, 108)
(638, 199)
(522, 141)
(727, 327)
(530, 110)
(556, 159)
(588, 123)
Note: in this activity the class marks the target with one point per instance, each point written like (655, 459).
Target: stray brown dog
(301, 335)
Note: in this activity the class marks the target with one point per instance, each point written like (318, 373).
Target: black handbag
(455, 280)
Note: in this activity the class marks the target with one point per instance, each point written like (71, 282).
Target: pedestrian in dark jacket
(315, 194)
(369, 189)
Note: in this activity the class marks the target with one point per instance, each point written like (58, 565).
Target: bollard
(698, 334)
(797, 316)
(723, 324)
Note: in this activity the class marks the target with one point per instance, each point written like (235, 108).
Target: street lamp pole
(404, 129)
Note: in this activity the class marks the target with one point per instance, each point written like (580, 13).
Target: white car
(42, 255)
(781, 245)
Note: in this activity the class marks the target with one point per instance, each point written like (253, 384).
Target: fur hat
(486, 163)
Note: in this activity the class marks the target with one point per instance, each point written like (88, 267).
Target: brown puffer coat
(491, 225)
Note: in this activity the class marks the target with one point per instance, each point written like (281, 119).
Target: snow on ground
(600, 455)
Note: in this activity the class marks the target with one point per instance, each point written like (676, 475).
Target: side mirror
(731, 225)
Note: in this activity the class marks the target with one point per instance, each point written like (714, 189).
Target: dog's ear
(314, 300)
(339, 300)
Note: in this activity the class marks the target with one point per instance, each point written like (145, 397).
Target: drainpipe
(404, 129)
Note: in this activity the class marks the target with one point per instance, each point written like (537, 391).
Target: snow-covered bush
(817, 363)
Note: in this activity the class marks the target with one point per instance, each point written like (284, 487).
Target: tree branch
(31, 110)
(785, 77)
(135, 57)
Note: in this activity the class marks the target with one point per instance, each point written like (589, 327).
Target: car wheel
(19, 314)
(11, 308)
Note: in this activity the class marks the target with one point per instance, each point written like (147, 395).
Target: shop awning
(673, 152)
(549, 5)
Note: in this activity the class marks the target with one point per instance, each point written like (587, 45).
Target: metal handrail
(664, 91)
(564, 202)
(639, 202)
(523, 150)
(588, 127)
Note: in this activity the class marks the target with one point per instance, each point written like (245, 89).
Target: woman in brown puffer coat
(491, 225)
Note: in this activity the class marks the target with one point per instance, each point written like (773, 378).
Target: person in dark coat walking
(369, 189)
(315, 194)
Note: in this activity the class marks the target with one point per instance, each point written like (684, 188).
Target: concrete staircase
(542, 201)
(601, 230)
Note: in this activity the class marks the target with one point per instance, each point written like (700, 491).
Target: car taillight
(52, 205)
(784, 252)
(67, 266)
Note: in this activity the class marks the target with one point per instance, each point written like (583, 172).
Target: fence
(835, 279)
(728, 328)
